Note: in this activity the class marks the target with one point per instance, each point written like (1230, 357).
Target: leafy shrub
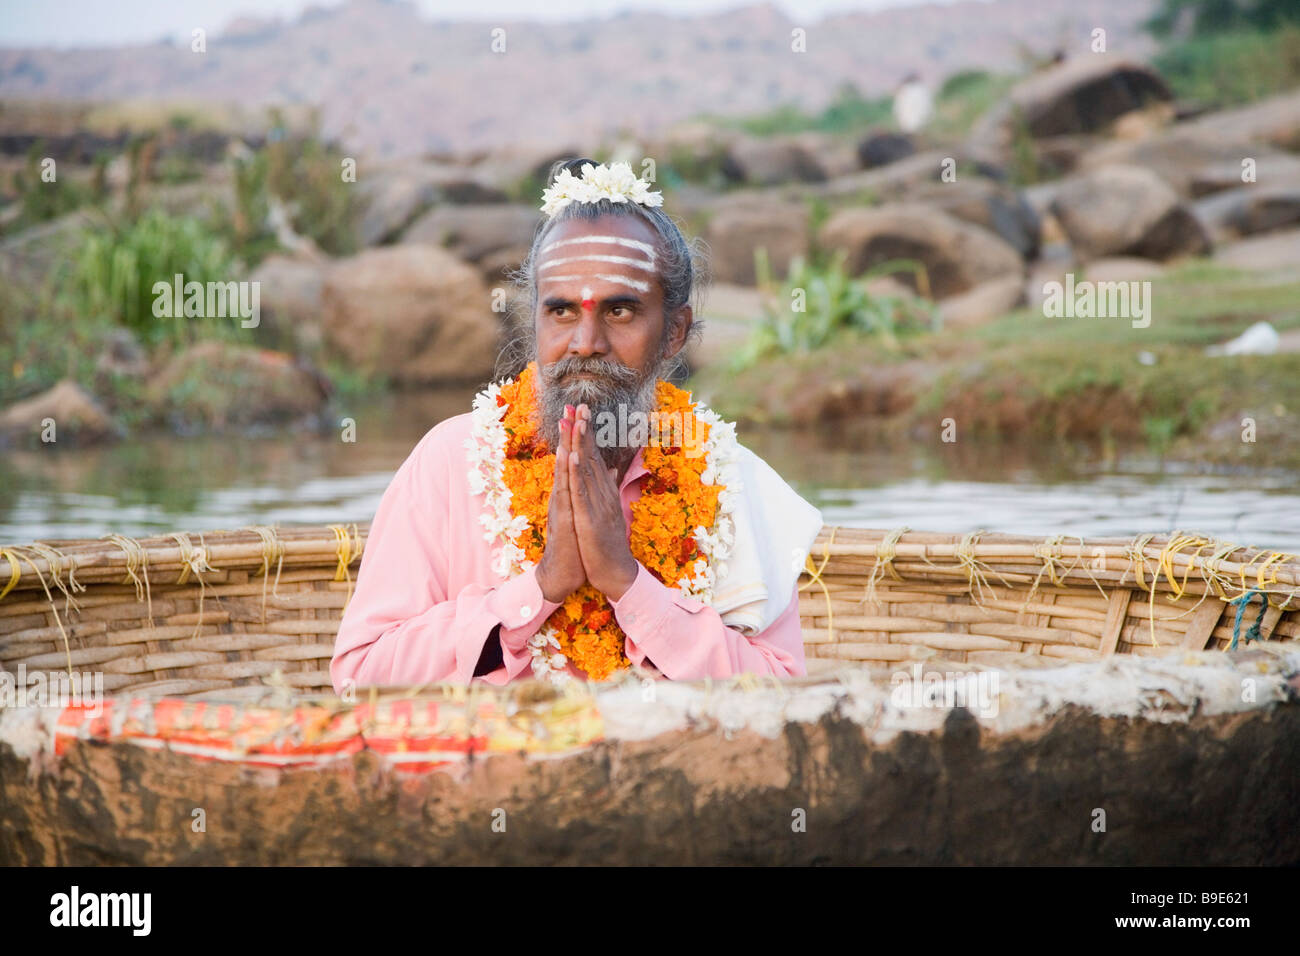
(1232, 68)
(834, 305)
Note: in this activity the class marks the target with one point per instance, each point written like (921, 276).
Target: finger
(588, 435)
(570, 416)
(562, 461)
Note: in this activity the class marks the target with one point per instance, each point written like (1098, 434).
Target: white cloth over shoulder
(774, 530)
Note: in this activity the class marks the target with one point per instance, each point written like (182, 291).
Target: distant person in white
(913, 104)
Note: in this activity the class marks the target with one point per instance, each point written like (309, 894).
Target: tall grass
(114, 272)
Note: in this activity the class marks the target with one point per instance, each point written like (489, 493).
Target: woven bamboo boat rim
(244, 610)
(1176, 563)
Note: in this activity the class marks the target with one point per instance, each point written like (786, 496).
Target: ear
(682, 320)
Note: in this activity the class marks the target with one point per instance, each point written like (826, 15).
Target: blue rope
(1252, 633)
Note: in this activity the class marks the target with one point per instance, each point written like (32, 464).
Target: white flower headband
(615, 182)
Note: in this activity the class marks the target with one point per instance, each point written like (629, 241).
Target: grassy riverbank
(1094, 379)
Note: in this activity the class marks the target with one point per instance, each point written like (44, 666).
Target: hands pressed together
(586, 538)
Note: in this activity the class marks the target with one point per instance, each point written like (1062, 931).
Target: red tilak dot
(588, 303)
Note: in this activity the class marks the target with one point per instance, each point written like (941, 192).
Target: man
(555, 582)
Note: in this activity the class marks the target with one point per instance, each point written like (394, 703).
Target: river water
(165, 483)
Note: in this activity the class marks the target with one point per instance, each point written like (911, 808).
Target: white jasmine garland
(485, 452)
(615, 182)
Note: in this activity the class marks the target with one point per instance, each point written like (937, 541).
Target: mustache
(613, 372)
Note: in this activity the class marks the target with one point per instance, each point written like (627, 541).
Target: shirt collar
(635, 470)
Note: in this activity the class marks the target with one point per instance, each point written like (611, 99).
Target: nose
(588, 337)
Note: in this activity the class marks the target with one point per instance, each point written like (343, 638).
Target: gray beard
(619, 391)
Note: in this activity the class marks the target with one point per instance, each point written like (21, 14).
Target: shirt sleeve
(687, 640)
(401, 625)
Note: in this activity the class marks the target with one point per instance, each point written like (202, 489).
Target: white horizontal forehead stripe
(637, 244)
(621, 280)
(620, 260)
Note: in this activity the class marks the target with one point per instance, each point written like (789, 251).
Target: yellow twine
(136, 557)
(1049, 551)
(886, 551)
(272, 548)
(15, 570)
(1177, 543)
(815, 574)
(67, 646)
(193, 560)
(348, 551)
(55, 559)
(976, 578)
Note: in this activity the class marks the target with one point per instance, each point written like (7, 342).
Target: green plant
(1234, 67)
(116, 268)
(1214, 17)
(848, 113)
(1025, 169)
(40, 200)
(305, 175)
(827, 304)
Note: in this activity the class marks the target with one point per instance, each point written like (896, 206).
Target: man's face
(599, 322)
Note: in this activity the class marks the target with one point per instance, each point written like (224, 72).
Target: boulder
(413, 313)
(987, 301)
(882, 148)
(472, 232)
(1214, 177)
(876, 184)
(695, 149)
(1191, 160)
(74, 412)
(1140, 124)
(505, 168)
(957, 255)
(290, 296)
(737, 229)
(997, 207)
(394, 196)
(1274, 251)
(1127, 210)
(1083, 94)
(497, 267)
(1275, 121)
(212, 386)
(835, 155)
(1250, 209)
(768, 161)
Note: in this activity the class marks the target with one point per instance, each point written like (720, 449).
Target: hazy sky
(111, 22)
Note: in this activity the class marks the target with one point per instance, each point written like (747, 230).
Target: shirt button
(527, 613)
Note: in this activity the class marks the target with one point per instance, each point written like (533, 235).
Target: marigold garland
(677, 506)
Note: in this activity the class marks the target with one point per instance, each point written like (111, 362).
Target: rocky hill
(391, 82)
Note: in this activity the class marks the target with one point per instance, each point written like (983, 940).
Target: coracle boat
(1149, 683)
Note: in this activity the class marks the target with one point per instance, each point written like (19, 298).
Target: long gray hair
(683, 274)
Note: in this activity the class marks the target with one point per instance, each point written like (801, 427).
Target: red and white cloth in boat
(414, 735)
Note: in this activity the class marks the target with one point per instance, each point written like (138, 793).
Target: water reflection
(196, 484)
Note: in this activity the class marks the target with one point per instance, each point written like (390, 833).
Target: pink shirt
(426, 599)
